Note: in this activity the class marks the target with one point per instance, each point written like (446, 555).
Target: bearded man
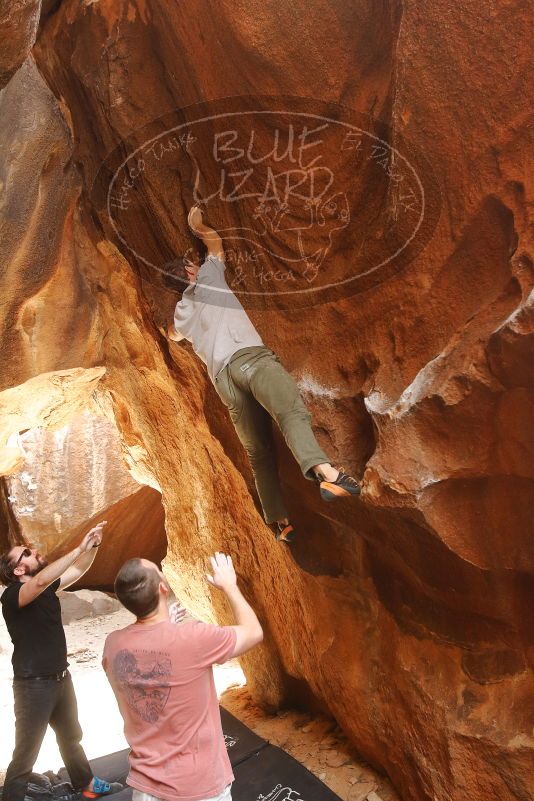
(42, 686)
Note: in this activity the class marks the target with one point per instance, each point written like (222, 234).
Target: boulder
(82, 604)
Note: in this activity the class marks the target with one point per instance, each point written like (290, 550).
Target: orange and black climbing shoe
(284, 532)
(343, 487)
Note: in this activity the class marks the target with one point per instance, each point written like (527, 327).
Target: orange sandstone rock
(406, 614)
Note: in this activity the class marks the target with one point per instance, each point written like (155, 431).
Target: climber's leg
(259, 370)
(276, 390)
(254, 428)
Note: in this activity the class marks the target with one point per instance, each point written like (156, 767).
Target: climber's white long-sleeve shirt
(211, 317)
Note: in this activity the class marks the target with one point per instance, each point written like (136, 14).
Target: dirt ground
(315, 742)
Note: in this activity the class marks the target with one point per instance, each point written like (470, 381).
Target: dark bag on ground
(49, 787)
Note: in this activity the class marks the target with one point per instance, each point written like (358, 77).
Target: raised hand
(93, 538)
(194, 218)
(224, 577)
(177, 612)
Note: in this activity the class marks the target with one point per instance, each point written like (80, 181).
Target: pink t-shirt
(162, 677)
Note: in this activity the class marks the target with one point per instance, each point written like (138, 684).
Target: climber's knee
(295, 417)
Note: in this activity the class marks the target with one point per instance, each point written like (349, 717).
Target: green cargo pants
(257, 389)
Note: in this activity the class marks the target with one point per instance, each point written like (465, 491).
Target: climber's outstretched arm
(211, 238)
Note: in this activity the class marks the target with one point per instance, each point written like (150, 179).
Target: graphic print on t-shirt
(143, 678)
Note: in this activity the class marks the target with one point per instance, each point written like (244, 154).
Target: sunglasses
(25, 552)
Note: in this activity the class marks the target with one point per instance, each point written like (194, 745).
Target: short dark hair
(7, 566)
(137, 587)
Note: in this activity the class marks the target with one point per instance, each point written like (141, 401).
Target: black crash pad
(124, 795)
(273, 775)
(241, 742)
(262, 771)
(112, 767)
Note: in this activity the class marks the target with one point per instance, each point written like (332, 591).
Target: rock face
(407, 614)
(19, 20)
(68, 476)
(73, 477)
(48, 400)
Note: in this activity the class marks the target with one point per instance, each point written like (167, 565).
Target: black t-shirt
(36, 630)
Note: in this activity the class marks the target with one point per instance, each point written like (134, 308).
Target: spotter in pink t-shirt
(162, 677)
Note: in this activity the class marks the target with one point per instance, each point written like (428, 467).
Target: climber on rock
(251, 383)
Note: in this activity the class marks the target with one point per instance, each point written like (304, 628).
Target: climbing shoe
(101, 787)
(284, 532)
(343, 487)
